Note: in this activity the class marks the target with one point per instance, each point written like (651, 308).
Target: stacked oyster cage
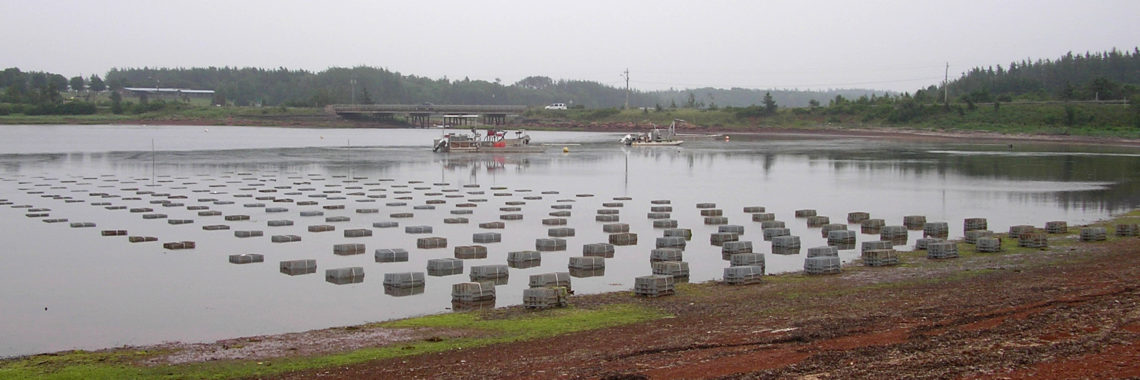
(1032, 238)
(880, 257)
(1056, 227)
(942, 250)
(743, 275)
(654, 285)
(544, 298)
(822, 260)
(1094, 234)
(974, 224)
(988, 244)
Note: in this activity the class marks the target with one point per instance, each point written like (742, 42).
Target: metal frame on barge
(494, 141)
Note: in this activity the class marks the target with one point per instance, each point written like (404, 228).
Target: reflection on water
(113, 289)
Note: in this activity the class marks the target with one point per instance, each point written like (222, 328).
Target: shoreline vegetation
(1078, 122)
(810, 316)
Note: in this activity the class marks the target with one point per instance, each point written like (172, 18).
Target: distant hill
(271, 87)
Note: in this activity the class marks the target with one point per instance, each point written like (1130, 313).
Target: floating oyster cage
(403, 291)
(747, 259)
(735, 247)
(671, 242)
(880, 257)
(404, 279)
(772, 233)
(877, 244)
(720, 238)
(341, 276)
(550, 244)
(817, 221)
(470, 252)
(872, 226)
(625, 238)
(559, 232)
(489, 272)
(974, 224)
(804, 213)
(584, 273)
(665, 254)
(587, 262)
(391, 255)
(431, 242)
(914, 222)
(654, 286)
(615, 228)
(743, 275)
(552, 279)
(678, 232)
(348, 249)
(827, 228)
(444, 267)
(524, 256)
(939, 230)
(763, 217)
(472, 292)
(772, 224)
(247, 258)
(677, 269)
(856, 217)
(822, 251)
(604, 250)
(841, 238)
(786, 242)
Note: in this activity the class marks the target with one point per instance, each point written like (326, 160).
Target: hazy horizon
(881, 45)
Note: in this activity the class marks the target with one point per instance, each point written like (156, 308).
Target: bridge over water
(421, 114)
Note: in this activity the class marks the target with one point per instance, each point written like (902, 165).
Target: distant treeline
(1111, 75)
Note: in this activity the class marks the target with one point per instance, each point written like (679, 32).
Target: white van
(556, 106)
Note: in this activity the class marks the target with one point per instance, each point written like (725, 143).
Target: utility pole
(946, 87)
(626, 74)
(353, 81)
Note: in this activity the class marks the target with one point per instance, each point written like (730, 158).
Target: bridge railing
(416, 108)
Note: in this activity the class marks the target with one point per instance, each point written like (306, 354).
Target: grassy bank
(124, 363)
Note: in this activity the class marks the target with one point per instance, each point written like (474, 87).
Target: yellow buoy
(565, 149)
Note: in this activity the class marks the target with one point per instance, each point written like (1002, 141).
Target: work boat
(494, 141)
(656, 137)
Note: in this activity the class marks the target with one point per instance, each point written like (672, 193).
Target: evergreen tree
(769, 104)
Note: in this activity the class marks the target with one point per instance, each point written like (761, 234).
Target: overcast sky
(895, 45)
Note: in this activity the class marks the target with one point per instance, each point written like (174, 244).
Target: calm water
(63, 287)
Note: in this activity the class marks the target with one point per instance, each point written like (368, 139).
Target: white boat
(494, 141)
(656, 137)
